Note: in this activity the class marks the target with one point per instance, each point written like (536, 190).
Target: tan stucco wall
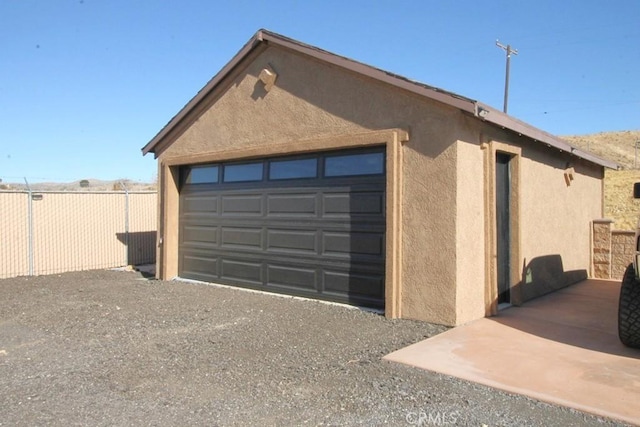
(554, 215)
(443, 190)
(314, 100)
(470, 225)
(550, 222)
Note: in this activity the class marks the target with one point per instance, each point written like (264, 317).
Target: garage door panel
(292, 205)
(353, 284)
(200, 265)
(282, 276)
(237, 237)
(347, 204)
(354, 243)
(292, 241)
(200, 235)
(314, 236)
(242, 205)
(243, 271)
(202, 204)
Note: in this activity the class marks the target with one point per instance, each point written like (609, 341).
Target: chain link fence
(48, 232)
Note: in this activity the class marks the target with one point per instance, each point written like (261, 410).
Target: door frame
(503, 227)
(492, 148)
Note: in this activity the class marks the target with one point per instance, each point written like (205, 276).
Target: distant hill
(81, 185)
(619, 204)
(616, 146)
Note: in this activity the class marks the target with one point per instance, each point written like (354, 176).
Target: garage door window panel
(293, 169)
(354, 164)
(244, 172)
(201, 175)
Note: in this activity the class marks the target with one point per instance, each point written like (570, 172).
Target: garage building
(298, 171)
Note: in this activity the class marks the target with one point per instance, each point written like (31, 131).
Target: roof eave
(479, 110)
(491, 115)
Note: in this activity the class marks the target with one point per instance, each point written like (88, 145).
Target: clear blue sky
(84, 84)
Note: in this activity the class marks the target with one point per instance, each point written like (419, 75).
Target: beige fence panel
(143, 211)
(77, 231)
(14, 234)
(74, 231)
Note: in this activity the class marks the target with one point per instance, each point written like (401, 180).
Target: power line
(509, 51)
(593, 106)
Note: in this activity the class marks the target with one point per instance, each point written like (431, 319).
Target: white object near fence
(43, 232)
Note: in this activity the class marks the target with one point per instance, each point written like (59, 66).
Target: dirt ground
(106, 348)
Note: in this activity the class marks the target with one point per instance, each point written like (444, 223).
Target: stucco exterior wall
(555, 197)
(556, 235)
(470, 229)
(311, 100)
(443, 169)
(554, 215)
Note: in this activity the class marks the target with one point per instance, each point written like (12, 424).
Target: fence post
(126, 223)
(30, 226)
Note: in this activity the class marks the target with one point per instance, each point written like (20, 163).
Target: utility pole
(509, 51)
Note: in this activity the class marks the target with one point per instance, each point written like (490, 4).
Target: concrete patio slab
(562, 348)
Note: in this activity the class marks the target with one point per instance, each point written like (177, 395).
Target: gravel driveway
(110, 348)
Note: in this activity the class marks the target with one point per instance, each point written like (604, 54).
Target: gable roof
(481, 111)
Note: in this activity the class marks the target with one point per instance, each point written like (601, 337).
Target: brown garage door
(311, 226)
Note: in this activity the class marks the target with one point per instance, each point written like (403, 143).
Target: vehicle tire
(629, 309)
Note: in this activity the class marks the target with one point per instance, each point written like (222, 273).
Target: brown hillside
(620, 147)
(619, 204)
(616, 146)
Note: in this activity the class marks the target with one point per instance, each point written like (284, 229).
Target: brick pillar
(623, 249)
(601, 255)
